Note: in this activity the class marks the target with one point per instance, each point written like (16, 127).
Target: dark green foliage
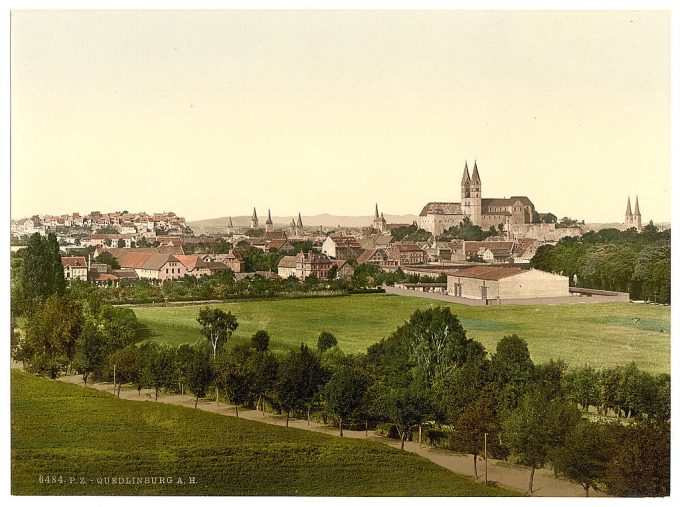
(344, 391)
(260, 340)
(410, 233)
(128, 366)
(326, 341)
(512, 371)
(407, 406)
(300, 376)
(466, 231)
(51, 333)
(107, 258)
(157, 367)
(198, 371)
(478, 418)
(582, 385)
(639, 461)
(583, 457)
(638, 263)
(41, 271)
(90, 351)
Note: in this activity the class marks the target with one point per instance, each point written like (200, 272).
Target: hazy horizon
(209, 113)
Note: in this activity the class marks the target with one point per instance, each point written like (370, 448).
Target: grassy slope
(67, 430)
(597, 334)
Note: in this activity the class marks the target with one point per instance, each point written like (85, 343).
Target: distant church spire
(254, 217)
(299, 222)
(475, 174)
(269, 217)
(253, 220)
(637, 207)
(466, 174)
(376, 216)
(628, 211)
(230, 223)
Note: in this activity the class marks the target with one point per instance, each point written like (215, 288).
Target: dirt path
(505, 474)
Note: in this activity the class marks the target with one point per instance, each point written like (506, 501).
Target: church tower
(628, 219)
(299, 222)
(253, 220)
(379, 222)
(476, 197)
(637, 217)
(269, 225)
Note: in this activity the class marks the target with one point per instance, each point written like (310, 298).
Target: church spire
(628, 211)
(230, 223)
(637, 207)
(475, 174)
(254, 217)
(299, 222)
(269, 217)
(377, 215)
(466, 174)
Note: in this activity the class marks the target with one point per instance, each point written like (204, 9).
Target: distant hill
(326, 220)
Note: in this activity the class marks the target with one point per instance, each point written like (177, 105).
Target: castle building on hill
(633, 220)
(437, 217)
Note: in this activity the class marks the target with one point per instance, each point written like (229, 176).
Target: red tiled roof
(74, 262)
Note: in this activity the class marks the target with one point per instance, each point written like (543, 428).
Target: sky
(209, 113)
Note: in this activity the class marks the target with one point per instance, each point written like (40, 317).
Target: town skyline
(212, 113)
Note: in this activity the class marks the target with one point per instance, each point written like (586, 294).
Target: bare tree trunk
(474, 460)
(84, 378)
(307, 415)
(403, 438)
(119, 386)
(531, 479)
(287, 418)
(587, 488)
(341, 427)
(196, 402)
(236, 406)
(156, 394)
(217, 396)
(366, 427)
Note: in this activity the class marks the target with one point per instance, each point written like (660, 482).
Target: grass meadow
(77, 436)
(601, 335)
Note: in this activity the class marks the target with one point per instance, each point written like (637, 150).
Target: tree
(90, 351)
(42, 273)
(158, 366)
(127, 366)
(233, 375)
(512, 370)
(51, 334)
(583, 458)
(326, 341)
(343, 392)
(263, 366)
(107, 258)
(260, 340)
(582, 385)
(408, 406)
(300, 378)
(478, 418)
(536, 427)
(199, 373)
(217, 325)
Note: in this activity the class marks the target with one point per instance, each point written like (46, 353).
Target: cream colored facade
(522, 285)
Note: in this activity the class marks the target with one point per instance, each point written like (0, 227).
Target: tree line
(624, 261)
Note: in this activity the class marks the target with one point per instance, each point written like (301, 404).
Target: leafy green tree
(233, 376)
(127, 366)
(408, 406)
(51, 333)
(260, 340)
(344, 392)
(550, 377)
(199, 373)
(326, 341)
(478, 418)
(158, 367)
(263, 367)
(640, 460)
(300, 376)
(107, 258)
(217, 326)
(584, 456)
(512, 370)
(90, 351)
(582, 386)
(42, 274)
(536, 427)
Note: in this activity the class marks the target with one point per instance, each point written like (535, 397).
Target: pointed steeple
(292, 222)
(299, 222)
(230, 223)
(466, 174)
(475, 174)
(628, 211)
(376, 216)
(254, 217)
(637, 207)
(269, 217)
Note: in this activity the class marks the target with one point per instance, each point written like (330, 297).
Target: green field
(596, 334)
(65, 431)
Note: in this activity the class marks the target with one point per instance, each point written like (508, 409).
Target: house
(233, 260)
(306, 265)
(75, 268)
(341, 247)
(344, 269)
(287, 266)
(406, 254)
(281, 245)
(498, 283)
(375, 256)
(498, 251)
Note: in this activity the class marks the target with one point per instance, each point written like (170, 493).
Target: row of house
(304, 265)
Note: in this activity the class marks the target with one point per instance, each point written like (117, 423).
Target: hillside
(66, 431)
